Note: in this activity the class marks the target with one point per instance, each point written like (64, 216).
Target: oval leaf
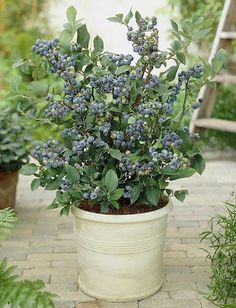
(111, 180)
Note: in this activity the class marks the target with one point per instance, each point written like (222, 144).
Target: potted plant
(13, 153)
(122, 145)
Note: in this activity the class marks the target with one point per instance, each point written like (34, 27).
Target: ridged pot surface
(8, 184)
(120, 256)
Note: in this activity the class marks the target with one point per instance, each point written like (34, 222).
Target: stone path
(42, 245)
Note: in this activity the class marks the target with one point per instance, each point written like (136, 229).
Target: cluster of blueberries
(120, 140)
(110, 84)
(97, 108)
(92, 195)
(51, 154)
(143, 44)
(70, 132)
(61, 64)
(127, 192)
(136, 74)
(183, 76)
(126, 139)
(152, 83)
(120, 59)
(136, 130)
(105, 128)
(171, 138)
(80, 146)
(55, 109)
(167, 157)
(131, 168)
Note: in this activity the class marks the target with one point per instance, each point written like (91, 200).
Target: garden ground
(42, 245)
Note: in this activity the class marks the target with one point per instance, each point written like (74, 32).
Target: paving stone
(185, 294)
(31, 265)
(178, 269)
(184, 276)
(179, 285)
(117, 305)
(63, 304)
(70, 257)
(88, 305)
(174, 254)
(84, 298)
(171, 303)
(185, 261)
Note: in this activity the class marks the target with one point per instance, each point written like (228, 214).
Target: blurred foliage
(221, 238)
(203, 8)
(225, 107)
(22, 22)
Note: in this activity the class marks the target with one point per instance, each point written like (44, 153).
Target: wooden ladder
(226, 32)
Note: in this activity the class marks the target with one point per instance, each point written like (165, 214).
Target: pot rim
(129, 218)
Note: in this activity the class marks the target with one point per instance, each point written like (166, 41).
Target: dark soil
(125, 208)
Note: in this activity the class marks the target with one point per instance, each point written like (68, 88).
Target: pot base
(116, 299)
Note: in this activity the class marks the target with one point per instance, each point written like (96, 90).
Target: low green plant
(14, 292)
(14, 139)
(121, 142)
(222, 255)
(7, 222)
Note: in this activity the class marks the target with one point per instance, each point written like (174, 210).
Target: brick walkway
(42, 245)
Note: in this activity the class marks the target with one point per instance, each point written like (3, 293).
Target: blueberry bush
(120, 140)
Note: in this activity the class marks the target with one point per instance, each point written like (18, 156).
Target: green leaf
(116, 194)
(175, 45)
(117, 18)
(98, 44)
(198, 163)
(122, 69)
(137, 17)
(171, 72)
(153, 194)
(71, 14)
(65, 211)
(136, 191)
(181, 57)
(35, 184)
(115, 204)
(128, 17)
(55, 184)
(219, 60)
(39, 87)
(28, 169)
(104, 207)
(83, 36)
(75, 193)
(180, 195)
(178, 174)
(64, 38)
(111, 180)
(73, 175)
(201, 34)
(174, 25)
(133, 92)
(115, 154)
(15, 81)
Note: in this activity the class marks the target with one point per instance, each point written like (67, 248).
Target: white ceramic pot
(120, 256)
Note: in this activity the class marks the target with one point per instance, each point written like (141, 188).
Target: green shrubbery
(222, 242)
(226, 100)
